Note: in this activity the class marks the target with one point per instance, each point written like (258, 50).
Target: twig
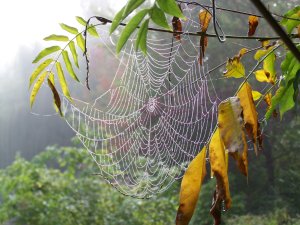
(262, 38)
(234, 11)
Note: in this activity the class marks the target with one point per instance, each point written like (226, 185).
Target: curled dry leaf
(249, 113)
(253, 23)
(177, 27)
(219, 169)
(190, 188)
(204, 19)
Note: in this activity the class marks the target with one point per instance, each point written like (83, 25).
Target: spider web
(155, 117)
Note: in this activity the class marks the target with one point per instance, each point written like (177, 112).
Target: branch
(233, 11)
(261, 38)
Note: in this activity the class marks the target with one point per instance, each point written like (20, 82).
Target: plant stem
(262, 38)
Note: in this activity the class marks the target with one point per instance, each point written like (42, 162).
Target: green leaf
(38, 70)
(284, 98)
(54, 37)
(74, 52)
(62, 80)
(69, 65)
(159, 17)
(80, 20)
(120, 16)
(91, 29)
(130, 27)
(286, 95)
(68, 28)
(80, 42)
(170, 7)
(141, 41)
(130, 6)
(290, 24)
(56, 98)
(45, 52)
(36, 87)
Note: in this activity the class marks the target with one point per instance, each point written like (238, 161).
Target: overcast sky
(24, 23)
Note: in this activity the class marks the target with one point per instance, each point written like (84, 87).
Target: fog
(23, 130)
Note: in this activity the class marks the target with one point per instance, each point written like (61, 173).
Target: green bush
(57, 187)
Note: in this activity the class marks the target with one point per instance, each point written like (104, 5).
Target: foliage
(57, 187)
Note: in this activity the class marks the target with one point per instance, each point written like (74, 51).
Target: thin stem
(234, 11)
(262, 38)
(265, 94)
(248, 76)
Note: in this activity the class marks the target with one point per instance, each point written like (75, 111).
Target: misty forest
(150, 112)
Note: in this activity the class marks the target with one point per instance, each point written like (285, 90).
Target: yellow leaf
(218, 166)
(242, 52)
(249, 112)
(234, 68)
(36, 87)
(263, 76)
(256, 95)
(230, 124)
(190, 188)
(268, 74)
(241, 159)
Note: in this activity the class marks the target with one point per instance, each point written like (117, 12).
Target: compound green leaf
(285, 96)
(80, 20)
(130, 27)
(36, 87)
(62, 80)
(121, 15)
(45, 52)
(80, 42)
(158, 16)
(130, 6)
(170, 7)
(141, 41)
(91, 29)
(38, 70)
(74, 52)
(54, 37)
(69, 29)
(69, 65)
(289, 21)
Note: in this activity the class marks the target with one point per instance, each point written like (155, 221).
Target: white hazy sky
(25, 23)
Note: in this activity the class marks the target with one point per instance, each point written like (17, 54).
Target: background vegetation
(58, 187)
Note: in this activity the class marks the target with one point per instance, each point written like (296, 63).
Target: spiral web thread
(154, 119)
